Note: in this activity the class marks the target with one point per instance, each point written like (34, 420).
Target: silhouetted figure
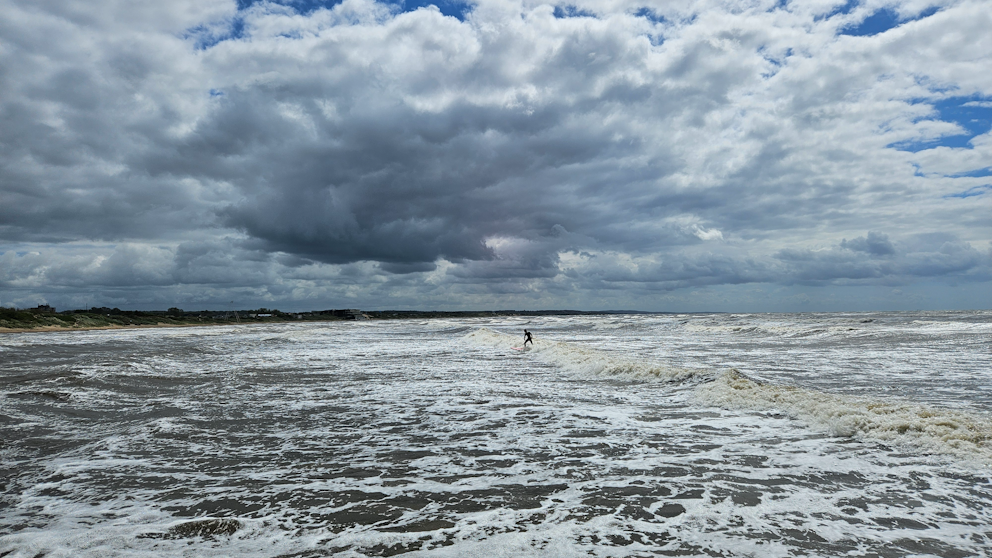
(528, 338)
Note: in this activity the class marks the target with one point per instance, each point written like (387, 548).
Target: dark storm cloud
(394, 183)
(873, 259)
(358, 149)
(404, 268)
(74, 110)
(876, 244)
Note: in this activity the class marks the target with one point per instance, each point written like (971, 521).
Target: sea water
(863, 434)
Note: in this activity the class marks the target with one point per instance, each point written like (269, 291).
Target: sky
(678, 155)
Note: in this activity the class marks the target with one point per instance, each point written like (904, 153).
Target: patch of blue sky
(216, 93)
(649, 14)
(451, 8)
(205, 37)
(657, 39)
(972, 113)
(844, 9)
(772, 58)
(454, 8)
(776, 61)
(972, 192)
(304, 7)
(883, 20)
(978, 173)
(878, 22)
(568, 10)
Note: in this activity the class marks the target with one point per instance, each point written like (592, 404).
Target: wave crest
(964, 434)
(587, 361)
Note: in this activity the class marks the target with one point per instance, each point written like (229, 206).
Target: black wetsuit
(527, 338)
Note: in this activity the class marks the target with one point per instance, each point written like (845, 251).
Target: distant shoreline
(371, 315)
(54, 329)
(375, 315)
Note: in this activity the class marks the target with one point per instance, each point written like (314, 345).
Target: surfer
(528, 338)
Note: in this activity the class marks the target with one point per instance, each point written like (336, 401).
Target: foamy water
(696, 435)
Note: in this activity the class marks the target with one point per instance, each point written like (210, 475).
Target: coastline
(57, 329)
(86, 321)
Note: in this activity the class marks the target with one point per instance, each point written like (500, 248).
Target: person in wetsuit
(528, 338)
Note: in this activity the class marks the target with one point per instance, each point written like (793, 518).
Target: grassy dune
(104, 318)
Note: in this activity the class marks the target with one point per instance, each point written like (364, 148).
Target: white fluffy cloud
(585, 154)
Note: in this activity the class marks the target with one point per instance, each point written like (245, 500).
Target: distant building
(42, 309)
(348, 314)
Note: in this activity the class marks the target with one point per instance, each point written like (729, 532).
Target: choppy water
(695, 435)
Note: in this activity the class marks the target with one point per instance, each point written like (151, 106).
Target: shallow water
(695, 435)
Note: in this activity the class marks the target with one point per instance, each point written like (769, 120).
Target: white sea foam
(930, 429)
(584, 360)
(967, 435)
(798, 326)
(777, 329)
(379, 438)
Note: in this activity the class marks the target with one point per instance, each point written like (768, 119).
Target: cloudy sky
(670, 155)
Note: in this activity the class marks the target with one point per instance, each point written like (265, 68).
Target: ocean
(766, 435)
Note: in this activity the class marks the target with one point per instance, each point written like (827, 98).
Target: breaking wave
(587, 361)
(839, 326)
(928, 429)
(967, 435)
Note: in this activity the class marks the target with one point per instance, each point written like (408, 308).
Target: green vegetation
(115, 317)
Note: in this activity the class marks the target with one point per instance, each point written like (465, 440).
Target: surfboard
(518, 348)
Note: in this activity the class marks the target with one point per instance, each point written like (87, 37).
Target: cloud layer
(590, 154)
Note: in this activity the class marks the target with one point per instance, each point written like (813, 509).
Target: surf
(926, 429)
(584, 360)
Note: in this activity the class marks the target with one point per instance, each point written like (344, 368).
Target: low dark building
(347, 314)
